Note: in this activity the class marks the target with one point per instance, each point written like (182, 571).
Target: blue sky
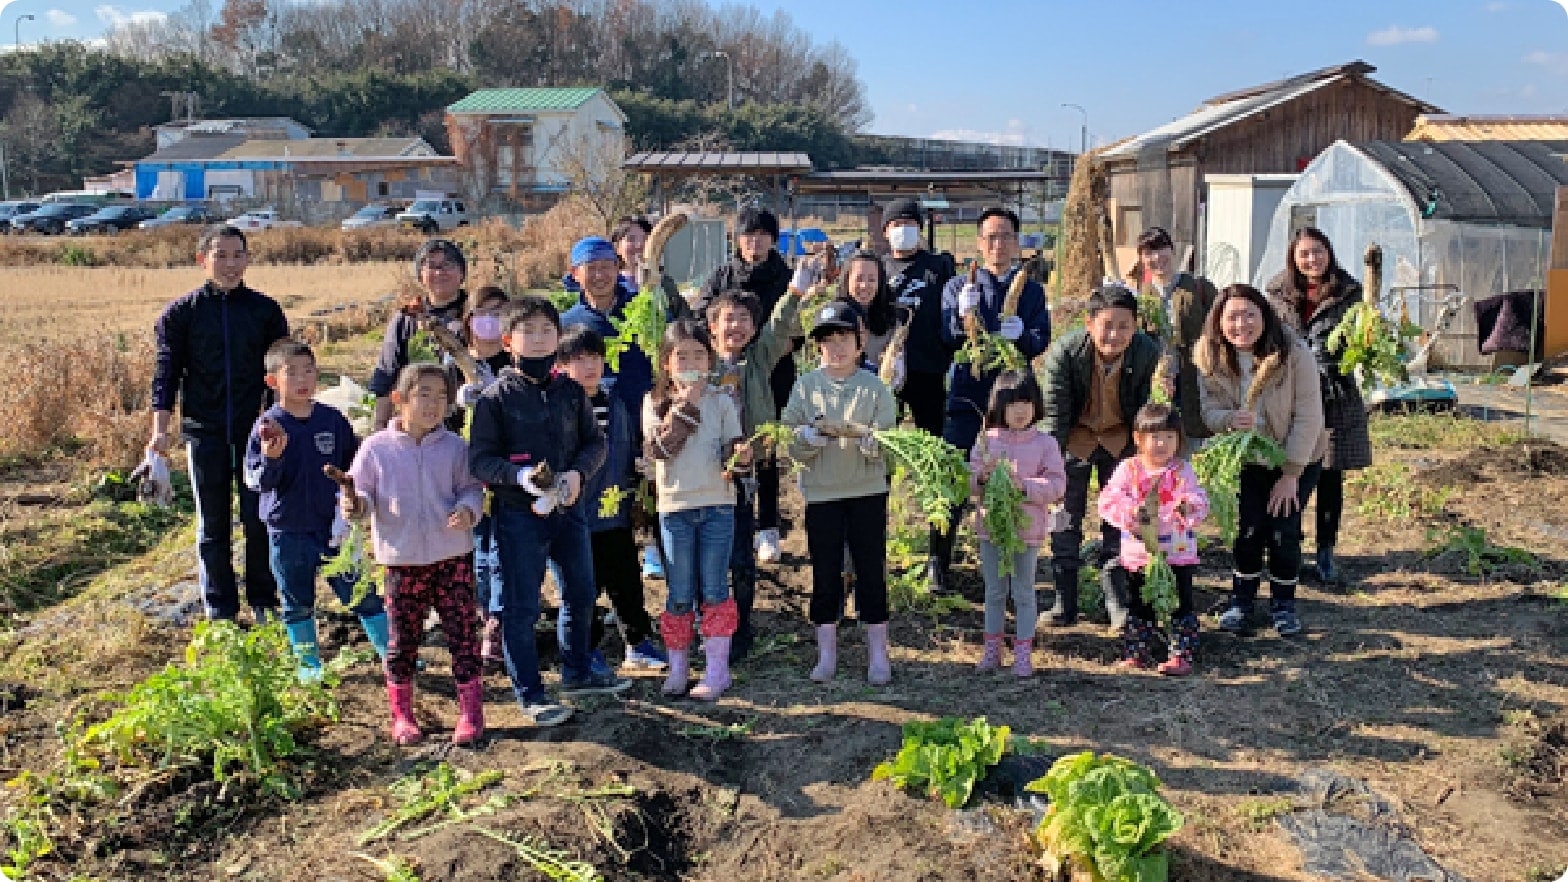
(1001, 69)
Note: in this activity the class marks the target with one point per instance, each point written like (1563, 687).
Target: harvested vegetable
(1371, 348)
(1152, 316)
(640, 324)
(1218, 465)
(984, 351)
(1106, 820)
(1159, 580)
(611, 500)
(939, 477)
(945, 759)
(1005, 519)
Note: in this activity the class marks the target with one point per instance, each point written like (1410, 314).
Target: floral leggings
(448, 586)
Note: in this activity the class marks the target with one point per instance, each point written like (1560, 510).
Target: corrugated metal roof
(523, 100)
(1503, 182)
(1233, 107)
(739, 163)
(315, 148)
(1454, 127)
(199, 147)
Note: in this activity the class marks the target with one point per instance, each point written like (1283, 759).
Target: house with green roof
(530, 143)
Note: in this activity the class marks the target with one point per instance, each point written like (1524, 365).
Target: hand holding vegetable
(461, 518)
(812, 435)
(1012, 328)
(571, 487)
(807, 274)
(273, 438)
(968, 298)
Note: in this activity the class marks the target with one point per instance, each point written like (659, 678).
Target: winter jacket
(211, 346)
(840, 470)
(1344, 412)
(1037, 468)
(410, 488)
(688, 445)
(1191, 301)
(917, 285)
(631, 382)
(1290, 409)
(752, 373)
(400, 330)
(620, 454)
(296, 497)
(518, 423)
(1121, 505)
(966, 395)
(1067, 376)
(768, 280)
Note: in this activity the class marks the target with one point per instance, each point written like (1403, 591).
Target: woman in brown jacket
(1257, 375)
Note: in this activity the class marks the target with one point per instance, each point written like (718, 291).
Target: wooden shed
(1157, 178)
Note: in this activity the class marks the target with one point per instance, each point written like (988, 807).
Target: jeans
(296, 558)
(861, 523)
(525, 543)
(617, 571)
(487, 567)
(1020, 586)
(697, 543)
(1066, 553)
(215, 467)
(1259, 532)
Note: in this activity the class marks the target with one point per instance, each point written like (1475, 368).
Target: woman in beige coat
(1258, 375)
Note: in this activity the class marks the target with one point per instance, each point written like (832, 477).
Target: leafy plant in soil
(553, 864)
(1106, 819)
(945, 759)
(439, 790)
(1482, 558)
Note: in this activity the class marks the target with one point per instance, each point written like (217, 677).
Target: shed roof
(1489, 127)
(711, 162)
(198, 147)
(1233, 107)
(523, 100)
(1499, 182)
(317, 148)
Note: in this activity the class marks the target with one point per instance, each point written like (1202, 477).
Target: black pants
(1259, 532)
(743, 567)
(216, 469)
(783, 382)
(1066, 556)
(1331, 505)
(617, 571)
(861, 523)
(1140, 608)
(926, 397)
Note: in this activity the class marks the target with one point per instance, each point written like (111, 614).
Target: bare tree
(594, 169)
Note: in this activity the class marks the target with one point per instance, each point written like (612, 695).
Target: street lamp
(729, 69)
(19, 20)
(1083, 139)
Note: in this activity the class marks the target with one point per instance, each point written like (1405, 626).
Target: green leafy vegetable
(640, 324)
(984, 351)
(1218, 467)
(1371, 348)
(611, 500)
(1005, 518)
(431, 791)
(945, 759)
(939, 476)
(1106, 817)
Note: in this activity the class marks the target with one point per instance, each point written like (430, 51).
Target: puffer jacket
(211, 348)
(518, 423)
(1290, 408)
(768, 280)
(1121, 503)
(1037, 467)
(1066, 380)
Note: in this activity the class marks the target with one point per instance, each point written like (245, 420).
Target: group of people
(473, 487)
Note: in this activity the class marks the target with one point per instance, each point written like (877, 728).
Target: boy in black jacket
(211, 344)
(529, 419)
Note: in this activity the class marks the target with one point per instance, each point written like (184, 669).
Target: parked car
(109, 220)
(376, 214)
(430, 216)
(262, 219)
(14, 209)
(50, 220)
(180, 214)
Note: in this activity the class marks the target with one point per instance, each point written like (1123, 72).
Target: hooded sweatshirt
(410, 488)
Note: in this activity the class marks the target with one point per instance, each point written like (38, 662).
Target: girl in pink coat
(1158, 468)
(1035, 462)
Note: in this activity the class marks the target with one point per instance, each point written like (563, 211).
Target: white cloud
(60, 18)
(1495, 6)
(1394, 35)
(116, 16)
(1016, 134)
(1556, 62)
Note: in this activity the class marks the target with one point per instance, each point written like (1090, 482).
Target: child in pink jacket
(1035, 462)
(1158, 467)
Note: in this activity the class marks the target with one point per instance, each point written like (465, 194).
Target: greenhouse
(1468, 219)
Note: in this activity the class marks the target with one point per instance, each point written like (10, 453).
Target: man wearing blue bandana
(602, 296)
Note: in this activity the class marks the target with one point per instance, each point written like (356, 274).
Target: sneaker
(648, 656)
(1233, 619)
(768, 550)
(1285, 623)
(652, 563)
(545, 713)
(594, 683)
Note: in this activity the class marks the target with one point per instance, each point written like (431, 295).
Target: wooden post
(1556, 336)
(1372, 281)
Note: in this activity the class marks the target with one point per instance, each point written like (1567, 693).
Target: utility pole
(18, 32)
(1083, 138)
(5, 178)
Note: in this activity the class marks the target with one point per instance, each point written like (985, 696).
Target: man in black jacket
(211, 344)
(917, 278)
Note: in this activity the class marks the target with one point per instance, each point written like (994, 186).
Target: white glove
(547, 502)
(869, 447)
(807, 274)
(468, 393)
(340, 524)
(154, 485)
(811, 435)
(525, 480)
(968, 298)
(897, 373)
(1012, 327)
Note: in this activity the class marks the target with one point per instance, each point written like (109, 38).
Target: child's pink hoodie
(1121, 501)
(1037, 465)
(410, 488)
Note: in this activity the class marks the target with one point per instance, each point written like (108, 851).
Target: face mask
(904, 238)
(688, 378)
(486, 327)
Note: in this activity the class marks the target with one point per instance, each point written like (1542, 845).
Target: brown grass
(1082, 267)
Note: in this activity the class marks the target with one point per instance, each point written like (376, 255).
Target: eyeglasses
(997, 238)
(440, 267)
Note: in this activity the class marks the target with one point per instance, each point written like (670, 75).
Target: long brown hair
(675, 333)
(1335, 278)
(1214, 350)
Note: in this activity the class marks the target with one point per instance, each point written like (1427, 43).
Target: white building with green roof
(531, 143)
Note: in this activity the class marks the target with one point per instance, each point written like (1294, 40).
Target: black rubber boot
(1064, 612)
(1113, 583)
(743, 583)
(940, 558)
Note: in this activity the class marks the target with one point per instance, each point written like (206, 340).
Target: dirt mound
(1534, 459)
(1540, 765)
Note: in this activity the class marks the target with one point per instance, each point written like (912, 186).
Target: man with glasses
(440, 267)
(1029, 330)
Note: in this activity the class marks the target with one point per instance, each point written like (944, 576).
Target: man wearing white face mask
(917, 278)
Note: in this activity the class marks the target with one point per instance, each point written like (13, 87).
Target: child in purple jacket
(412, 479)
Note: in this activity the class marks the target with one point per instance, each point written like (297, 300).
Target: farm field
(1436, 679)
